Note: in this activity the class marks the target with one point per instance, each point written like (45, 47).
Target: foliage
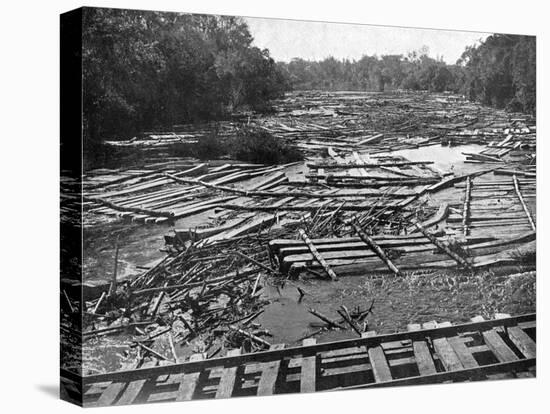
(417, 71)
(259, 146)
(500, 72)
(143, 70)
(250, 144)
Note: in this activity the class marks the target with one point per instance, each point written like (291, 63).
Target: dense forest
(501, 72)
(144, 70)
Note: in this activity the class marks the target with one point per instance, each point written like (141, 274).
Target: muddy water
(139, 246)
(446, 159)
(397, 302)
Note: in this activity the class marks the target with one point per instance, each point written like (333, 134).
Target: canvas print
(253, 206)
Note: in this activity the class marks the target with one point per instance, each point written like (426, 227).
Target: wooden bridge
(504, 347)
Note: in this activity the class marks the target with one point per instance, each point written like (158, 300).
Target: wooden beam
(375, 247)
(525, 209)
(466, 206)
(444, 248)
(317, 255)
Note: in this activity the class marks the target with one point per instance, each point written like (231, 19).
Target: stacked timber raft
(432, 352)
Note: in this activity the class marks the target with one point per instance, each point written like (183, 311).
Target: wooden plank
(189, 383)
(134, 388)
(317, 255)
(109, 395)
(422, 353)
(270, 372)
(309, 369)
(444, 350)
(520, 197)
(227, 381)
(525, 344)
(496, 344)
(379, 364)
(464, 354)
(466, 206)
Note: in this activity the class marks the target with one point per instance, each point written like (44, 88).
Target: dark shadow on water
(52, 390)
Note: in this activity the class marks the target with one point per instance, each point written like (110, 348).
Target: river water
(397, 301)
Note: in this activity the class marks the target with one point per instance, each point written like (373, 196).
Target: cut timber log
(369, 139)
(442, 214)
(375, 248)
(447, 182)
(466, 207)
(520, 196)
(271, 194)
(444, 248)
(512, 172)
(325, 319)
(316, 254)
(333, 165)
(117, 207)
(482, 157)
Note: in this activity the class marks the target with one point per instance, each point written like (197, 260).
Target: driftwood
(250, 259)
(152, 352)
(344, 313)
(325, 319)
(252, 337)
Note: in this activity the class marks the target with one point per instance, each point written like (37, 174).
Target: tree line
(500, 71)
(144, 69)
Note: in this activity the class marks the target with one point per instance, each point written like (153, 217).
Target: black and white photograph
(268, 206)
(256, 206)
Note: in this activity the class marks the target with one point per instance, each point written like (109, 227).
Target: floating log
(375, 248)
(271, 194)
(520, 196)
(447, 182)
(316, 254)
(444, 248)
(325, 319)
(369, 139)
(344, 313)
(112, 287)
(466, 207)
(333, 165)
(250, 259)
(138, 210)
(516, 172)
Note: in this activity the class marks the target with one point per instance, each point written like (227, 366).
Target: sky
(287, 39)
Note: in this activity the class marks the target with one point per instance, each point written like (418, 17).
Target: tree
(149, 69)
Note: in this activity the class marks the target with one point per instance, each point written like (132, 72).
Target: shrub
(209, 147)
(258, 146)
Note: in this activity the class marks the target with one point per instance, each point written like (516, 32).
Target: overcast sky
(287, 39)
